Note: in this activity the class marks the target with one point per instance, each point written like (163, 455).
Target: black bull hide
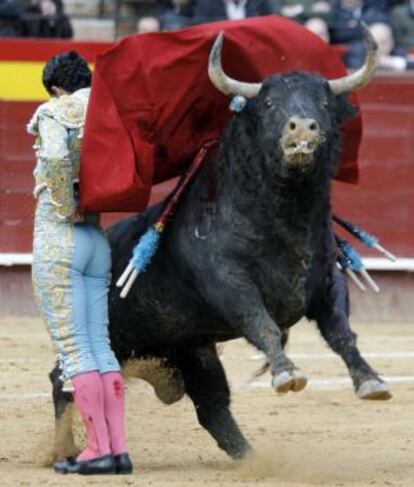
(264, 261)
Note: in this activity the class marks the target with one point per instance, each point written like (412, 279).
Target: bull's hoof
(374, 389)
(289, 381)
(240, 452)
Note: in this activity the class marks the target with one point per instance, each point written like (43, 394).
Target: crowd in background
(34, 18)
(336, 21)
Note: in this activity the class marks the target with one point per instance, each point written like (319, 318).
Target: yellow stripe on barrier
(22, 81)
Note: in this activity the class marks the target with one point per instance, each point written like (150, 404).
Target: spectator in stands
(211, 10)
(9, 18)
(300, 10)
(345, 29)
(313, 14)
(46, 18)
(402, 17)
(176, 14)
(148, 24)
(345, 25)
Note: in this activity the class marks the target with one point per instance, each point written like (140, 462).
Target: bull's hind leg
(206, 384)
(332, 316)
(64, 443)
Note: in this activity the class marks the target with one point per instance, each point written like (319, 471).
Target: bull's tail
(63, 444)
(265, 367)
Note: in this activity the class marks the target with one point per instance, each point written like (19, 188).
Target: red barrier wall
(383, 202)
(42, 49)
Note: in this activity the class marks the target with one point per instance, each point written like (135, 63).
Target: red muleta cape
(152, 104)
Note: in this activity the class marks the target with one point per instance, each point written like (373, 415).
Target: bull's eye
(268, 103)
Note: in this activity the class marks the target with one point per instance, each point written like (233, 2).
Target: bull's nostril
(313, 126)
(292, 125)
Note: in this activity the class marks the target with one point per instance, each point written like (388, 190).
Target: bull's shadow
(266, 259)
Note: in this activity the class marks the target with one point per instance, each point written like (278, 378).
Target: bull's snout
(300, 139)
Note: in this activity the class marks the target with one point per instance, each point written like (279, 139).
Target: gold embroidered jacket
(58, 127)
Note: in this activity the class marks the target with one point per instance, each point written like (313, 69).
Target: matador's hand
(76, 217)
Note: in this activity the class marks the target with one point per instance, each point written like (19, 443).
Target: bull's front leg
(332, 316)
(262, 332)
(206, 384)
(241, 305)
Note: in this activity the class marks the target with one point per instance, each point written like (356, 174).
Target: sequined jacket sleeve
(57, 166)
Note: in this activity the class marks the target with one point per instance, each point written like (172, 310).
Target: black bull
(266, 259)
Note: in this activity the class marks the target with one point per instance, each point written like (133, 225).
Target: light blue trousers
(90, 276)
(71, 275)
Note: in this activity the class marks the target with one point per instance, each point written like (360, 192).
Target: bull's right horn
(364, 75)
(224, 83)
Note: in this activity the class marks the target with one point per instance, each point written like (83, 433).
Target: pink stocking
(113, 384)
(89, 400)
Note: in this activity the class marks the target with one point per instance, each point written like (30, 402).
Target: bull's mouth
(299, 155)
(302, 148)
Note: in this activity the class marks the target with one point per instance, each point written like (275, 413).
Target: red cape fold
(152, 104)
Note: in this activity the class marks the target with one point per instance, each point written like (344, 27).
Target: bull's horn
(364, 75)
(224, 83)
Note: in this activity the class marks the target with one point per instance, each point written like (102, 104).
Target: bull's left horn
(364, 75)
(224, 83)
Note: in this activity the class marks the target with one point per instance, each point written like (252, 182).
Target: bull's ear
(344, 110)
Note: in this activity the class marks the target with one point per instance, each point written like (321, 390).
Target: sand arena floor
(323, 435)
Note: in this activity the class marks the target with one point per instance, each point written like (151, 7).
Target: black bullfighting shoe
(96, 466)
(123, 464)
